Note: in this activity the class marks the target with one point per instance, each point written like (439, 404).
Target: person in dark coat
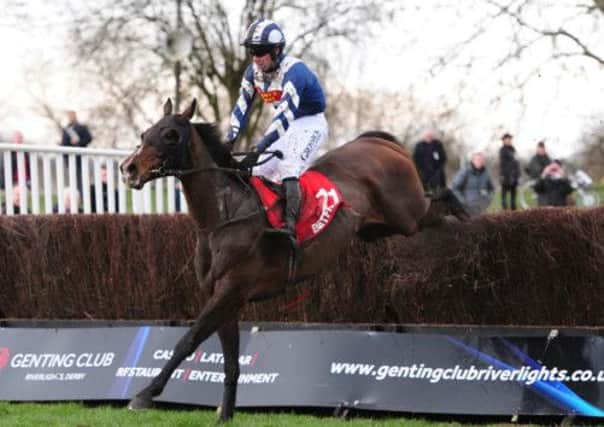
(538, 162)
(473, 185)
(76, 134)
(509, 172)
(536, 166)
(553, 185)
(430, 158)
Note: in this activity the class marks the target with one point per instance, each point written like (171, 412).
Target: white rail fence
(46, 179)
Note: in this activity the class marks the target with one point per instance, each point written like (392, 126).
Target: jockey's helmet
(264, 33)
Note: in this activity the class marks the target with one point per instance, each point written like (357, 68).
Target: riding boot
(292, 203)
(292, 207)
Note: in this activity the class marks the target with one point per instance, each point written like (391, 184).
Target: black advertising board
(431, 372)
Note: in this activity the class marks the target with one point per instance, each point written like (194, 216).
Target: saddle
(320, 200)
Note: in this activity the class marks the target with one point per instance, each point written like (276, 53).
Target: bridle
(163, 171)
(186, 138)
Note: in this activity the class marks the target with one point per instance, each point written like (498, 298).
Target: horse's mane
(379, 134)
(210, 135)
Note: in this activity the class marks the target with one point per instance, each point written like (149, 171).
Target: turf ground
(81, 415)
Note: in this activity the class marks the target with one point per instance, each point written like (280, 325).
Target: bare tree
(529, 38)
(121, 46)
(402, 113)
(513, 58)
(531, 24)
(579, 41)
(592, 155)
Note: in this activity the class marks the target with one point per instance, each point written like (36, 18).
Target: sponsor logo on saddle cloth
(320, 202)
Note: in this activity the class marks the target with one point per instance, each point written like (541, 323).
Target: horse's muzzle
(130, 175)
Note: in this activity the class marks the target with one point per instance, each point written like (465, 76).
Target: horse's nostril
(131, 168)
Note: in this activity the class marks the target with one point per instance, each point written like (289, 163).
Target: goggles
(259, 50)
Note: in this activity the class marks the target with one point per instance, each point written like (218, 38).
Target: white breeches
(300, 146)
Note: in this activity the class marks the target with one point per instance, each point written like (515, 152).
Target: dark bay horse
(237, 260)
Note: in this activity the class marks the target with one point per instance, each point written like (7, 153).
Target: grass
(495, 205)
(73, 414)
(129, 201)
(80, 415)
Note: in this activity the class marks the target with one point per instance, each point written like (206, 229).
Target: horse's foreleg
(229, 338)
(219, 308)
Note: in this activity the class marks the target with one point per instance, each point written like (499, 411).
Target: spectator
(536, 165)
(104, 192)
(538, 162)
(554, 186)
(16, 201)
(17, 138)
(430, 158)
(72, 206)
(473, 185)
(509, 171)
(76, 134)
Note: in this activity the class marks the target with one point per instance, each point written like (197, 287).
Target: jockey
(298, 127)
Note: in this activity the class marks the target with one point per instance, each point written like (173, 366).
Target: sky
(559, 104)
(23, 44)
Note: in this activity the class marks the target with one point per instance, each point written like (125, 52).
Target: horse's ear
(190, 112)
(168, 107)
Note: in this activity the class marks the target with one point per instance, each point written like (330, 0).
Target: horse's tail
(443, 203)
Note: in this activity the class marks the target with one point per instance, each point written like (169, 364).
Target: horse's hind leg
(402, 214)
(219, 308)
(441, 206)
(229, 339)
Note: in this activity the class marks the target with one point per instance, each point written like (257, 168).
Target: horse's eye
(171, 136)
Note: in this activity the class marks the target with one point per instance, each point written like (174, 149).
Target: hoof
(140, 403)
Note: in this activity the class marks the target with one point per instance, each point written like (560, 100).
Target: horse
(237, 258)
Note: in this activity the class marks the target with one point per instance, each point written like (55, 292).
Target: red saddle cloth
(320, 202)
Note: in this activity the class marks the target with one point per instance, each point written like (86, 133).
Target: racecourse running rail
(53, 172)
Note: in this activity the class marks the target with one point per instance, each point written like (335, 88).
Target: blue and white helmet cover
(264, 32)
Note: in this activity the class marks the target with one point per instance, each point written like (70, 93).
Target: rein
(239, 173)
(163, 171)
